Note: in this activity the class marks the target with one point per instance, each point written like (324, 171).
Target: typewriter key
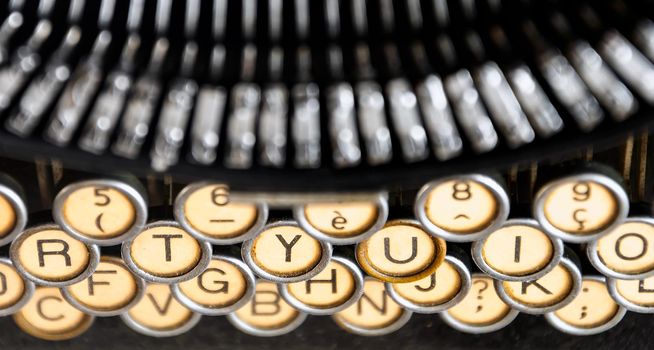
(48, 256)
(581, 207)
(48, 316)
(335, 288)
(375, 313)
(441, 290)
(518, 251)
(592, 311)
(206, 212)
(284, 253)
(111, 290)
(463, 208)
(158, 314)
(104, 212)
(266, 314)
(400, 252)
(626, 252)
(15, 291)
(343, 222)
(13, 212)
(634, 295)
(225, 286)
(164, 253)
(481, 310)
(548, 293)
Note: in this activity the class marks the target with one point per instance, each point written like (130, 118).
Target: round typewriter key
(548, 293)
(266, 314)
(49, 316)
(159, 314)
(285, 253)
(627, 252)
(481, 311)
(581, 207)
(592, 311)
(441, 290)
(48, 256)
(111, 290)
(206, 211)
(102, 211)
(14, 290)
(335, 288)
(400, 252)
(375, 313)
(634, 295)
(164, 253)
(343, 222)
(463, 208)
(517, 251)
(13, 213)
(225, 286)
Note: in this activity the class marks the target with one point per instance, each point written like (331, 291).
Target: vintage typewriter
(326, 173)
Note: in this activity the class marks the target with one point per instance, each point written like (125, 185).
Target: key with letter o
(517, 251)
(548, 293)
(266, 314)
(634, 295)
(13, 212)
(342, 222)
(481, 310)
(593, 310)
(627, 252)
(15, 291)
(462, 208)
(165, 253)
(111, 290)
(49, 316)
(206, 211)
(335, 288)
(581, 207)
(375, 313)
(48, 256)
(400, 252)
(223, 287)
(159, 314)
(101, 211)
(441, 290)
(283, 252)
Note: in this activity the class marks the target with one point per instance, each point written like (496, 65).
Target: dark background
(422, 332)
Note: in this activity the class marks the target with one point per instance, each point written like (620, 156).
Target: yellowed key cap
(375, 313)
(48, 256)
(49, 316)
(159, 314)
(335, 288)
(592, 311)
(111, 290)
(165, 253)
(13, 212)
(400, 252)
(343, 222)
(581, 207)
(627, 252)
(15, 291)
(283, 252)
(481, 310)
(100, 211)
(223, 287)
(441, 290)
(548, 293)
(462, 208)
(207, 212)
(266, 314)
(517, 251)
(634, 295)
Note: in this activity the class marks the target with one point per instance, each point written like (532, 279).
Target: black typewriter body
(326, 174)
